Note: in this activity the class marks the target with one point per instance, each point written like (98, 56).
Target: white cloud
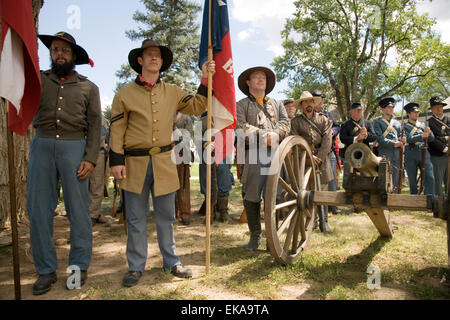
(438, 9)
(244, 35)
(106, 101)
(266, 19)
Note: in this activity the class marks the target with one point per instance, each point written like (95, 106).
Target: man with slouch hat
(65, 149)
(141, 154)
(316, 129)
(262, 121)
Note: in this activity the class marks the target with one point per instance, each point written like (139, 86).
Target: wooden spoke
(286, 222)
(306, 177)
(290, 233)
(296, 165)
(287, 187)
(303, 163)
(301, 218)
(291, 174)
(285, 204)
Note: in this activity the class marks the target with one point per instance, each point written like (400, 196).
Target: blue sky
(99, 26)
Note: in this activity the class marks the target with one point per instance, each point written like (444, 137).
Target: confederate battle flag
(20, 80)
(224, 101)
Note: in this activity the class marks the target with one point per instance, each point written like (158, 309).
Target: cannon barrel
(360, 157)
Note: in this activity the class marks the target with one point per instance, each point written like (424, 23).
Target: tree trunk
(21, 146)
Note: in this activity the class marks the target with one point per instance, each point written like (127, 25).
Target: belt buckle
(154, 150)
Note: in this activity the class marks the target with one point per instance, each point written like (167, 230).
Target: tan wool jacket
(143, 118)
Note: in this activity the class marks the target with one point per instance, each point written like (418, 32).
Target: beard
(63, 69)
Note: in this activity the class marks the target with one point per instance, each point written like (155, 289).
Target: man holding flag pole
(216, 45)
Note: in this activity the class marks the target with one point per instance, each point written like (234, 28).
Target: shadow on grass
(350, 272)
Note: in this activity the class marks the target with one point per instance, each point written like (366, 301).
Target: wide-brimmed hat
(244, 76)
(412, 106)
(306, 95)
(435, 101)
(166, 55)
(81, 55)
(383, 103)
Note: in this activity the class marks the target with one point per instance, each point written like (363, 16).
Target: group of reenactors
(67, 147)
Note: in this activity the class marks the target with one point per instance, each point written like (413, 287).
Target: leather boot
(326, 225)
(202, 210)
(253, 210)
(222, 208)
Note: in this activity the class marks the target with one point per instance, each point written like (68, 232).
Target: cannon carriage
(293, 196)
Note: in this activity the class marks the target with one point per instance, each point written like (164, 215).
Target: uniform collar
(72, 78)
(140, 81)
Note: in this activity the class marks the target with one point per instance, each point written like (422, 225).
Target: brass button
(153, 94)
(62, 87)
(57, 121)
(153, 102)
(57, 136)
(59, 109)
(60, 98)
(155, 121)
(154, 139)
(155, 111)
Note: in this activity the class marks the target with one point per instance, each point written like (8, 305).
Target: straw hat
(306, 95)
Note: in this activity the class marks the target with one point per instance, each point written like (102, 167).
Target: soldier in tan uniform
(140, 153)
(315, 128)
(262, 122)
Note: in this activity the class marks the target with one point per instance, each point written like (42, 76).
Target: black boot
(202, 210)
(222, 208)
(253, 210)
(44, 283)
(326, 225)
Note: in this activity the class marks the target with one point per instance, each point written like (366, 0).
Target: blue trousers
(413, 163)
(224, 179)
(332, 185)
(52, 160)
(137, 209)
(440, 173)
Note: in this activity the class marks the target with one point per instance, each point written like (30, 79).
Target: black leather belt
(148, 151)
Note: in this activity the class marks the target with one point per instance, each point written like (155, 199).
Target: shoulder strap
(313, 125)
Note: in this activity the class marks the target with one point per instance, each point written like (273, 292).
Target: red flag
(20, 80)
(224, 100)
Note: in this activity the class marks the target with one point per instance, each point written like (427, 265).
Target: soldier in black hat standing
(440, 126)
(356, 129)
(416, 135)
(65, 148)
(388, 133)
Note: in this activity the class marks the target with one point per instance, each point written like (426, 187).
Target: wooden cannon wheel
(291, 173)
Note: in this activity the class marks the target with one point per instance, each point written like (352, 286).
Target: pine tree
(171, 23)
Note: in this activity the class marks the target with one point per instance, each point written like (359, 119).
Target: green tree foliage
(363, 50)
(171, 23)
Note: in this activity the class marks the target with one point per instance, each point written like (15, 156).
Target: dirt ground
(109, 265)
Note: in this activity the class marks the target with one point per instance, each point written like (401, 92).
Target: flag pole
(208, 149)
(13, 208)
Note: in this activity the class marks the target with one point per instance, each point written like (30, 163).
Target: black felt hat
(81, 55)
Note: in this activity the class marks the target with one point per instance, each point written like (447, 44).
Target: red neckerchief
(145, 83)
(64, 79)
